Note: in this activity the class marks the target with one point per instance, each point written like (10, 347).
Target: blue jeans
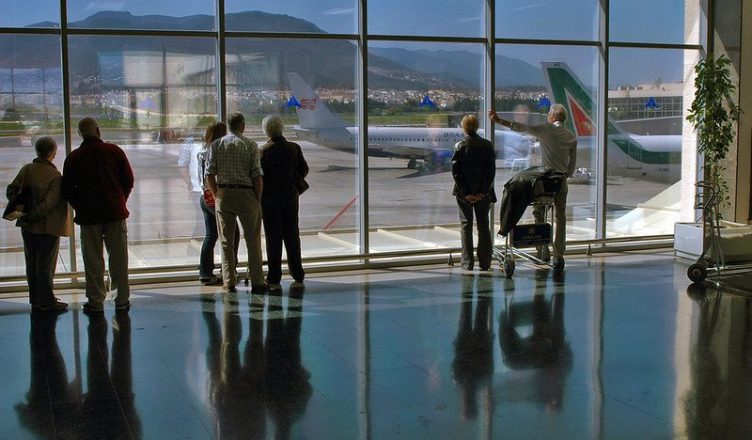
(206, 261)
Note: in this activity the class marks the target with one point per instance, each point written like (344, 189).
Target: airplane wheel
(412, 164)
(697, 272)
(508, 268)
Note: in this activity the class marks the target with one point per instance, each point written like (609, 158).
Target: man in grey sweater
(558, 148)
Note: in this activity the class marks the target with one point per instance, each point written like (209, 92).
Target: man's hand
(492, 115)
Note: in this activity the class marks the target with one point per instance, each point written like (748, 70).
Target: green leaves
(713, 115)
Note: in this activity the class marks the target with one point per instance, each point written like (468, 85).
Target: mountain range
(325, 63)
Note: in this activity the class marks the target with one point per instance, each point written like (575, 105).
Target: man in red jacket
(97, 180)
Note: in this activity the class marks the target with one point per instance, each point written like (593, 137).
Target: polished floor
(620, 347)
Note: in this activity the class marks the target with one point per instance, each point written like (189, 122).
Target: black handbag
(22, 200)
(301, 185)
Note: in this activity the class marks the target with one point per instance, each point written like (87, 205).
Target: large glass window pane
(562, 20)
(154, 97)
(441, 18)
(311, 84)
(645, 105)
(418, 93)
(30, 107)
(30, 13)
(142, 14)
(332, 16)
(647, 21)
(531, 78)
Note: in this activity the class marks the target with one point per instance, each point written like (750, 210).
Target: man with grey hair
(234, 176)
(97, 181)
(46, 219)
(284, 167)
(559, 153)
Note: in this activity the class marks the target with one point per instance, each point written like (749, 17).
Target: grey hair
(272, 125)
(45, 146)
(559, 112)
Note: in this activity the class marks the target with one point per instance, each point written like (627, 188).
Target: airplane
(648, 157)
(431, 147)
(653, 157)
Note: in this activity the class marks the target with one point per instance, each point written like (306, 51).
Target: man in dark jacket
(284, 168)
(474, 169)
(97, 180)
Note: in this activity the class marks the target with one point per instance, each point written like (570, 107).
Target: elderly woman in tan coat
(45, 220)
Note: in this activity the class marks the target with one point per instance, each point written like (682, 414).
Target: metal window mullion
(601, 156)
(67, 129)
(490, 80)
(221, 65)
(364, 235)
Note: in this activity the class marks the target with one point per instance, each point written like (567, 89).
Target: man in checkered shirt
(234, 177)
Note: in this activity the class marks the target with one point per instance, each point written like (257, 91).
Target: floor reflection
(719, 401)
(532, 338)
(57, 408)
(269, 382)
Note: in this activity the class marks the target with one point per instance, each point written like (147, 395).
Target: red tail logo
(582, 122)
(308, 103)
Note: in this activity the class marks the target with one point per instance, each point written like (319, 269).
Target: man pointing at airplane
(558, 148)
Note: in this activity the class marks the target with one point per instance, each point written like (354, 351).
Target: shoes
(124, 308)
(92, 309)
(229, 289)
(57, 306)
(259, 288)
(272, 286)
(297, 285)
(211, 281)
(558, 265)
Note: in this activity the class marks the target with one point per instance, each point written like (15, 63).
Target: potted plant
(713, 115)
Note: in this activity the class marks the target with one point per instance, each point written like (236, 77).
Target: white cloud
(339, 11)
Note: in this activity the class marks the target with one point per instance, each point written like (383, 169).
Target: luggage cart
(706, 198)
(528, 235)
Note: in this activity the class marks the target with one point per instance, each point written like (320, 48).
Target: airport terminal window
(439, 18)
(139, 14)
(570, 20)
(31, 101)
(322, 16)
(645, 139)
(154, 97)
(529, 79)
(30, 13)
(648, 21)
(311, 84)
(416, 90)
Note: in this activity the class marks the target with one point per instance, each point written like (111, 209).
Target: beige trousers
(240, 204)
(114, 236)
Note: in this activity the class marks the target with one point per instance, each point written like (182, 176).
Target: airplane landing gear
(412, 164)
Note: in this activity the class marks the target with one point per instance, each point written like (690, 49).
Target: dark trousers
(281, 225)
(206, 260)
(479, 210)
(40, 251)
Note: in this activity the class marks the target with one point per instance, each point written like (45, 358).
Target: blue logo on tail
(426, 102)
(292, 102)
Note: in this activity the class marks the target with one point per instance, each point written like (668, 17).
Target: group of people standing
(251, 186)
(96, 180)
(474, 169)
(245, 185)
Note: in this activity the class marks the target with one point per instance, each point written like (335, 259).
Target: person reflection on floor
(287, 381)
(473, 347)
(544, 350)
(48, 383)
(104, 413)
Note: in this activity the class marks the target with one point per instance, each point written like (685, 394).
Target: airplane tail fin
(566, 89)
(312, 112)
